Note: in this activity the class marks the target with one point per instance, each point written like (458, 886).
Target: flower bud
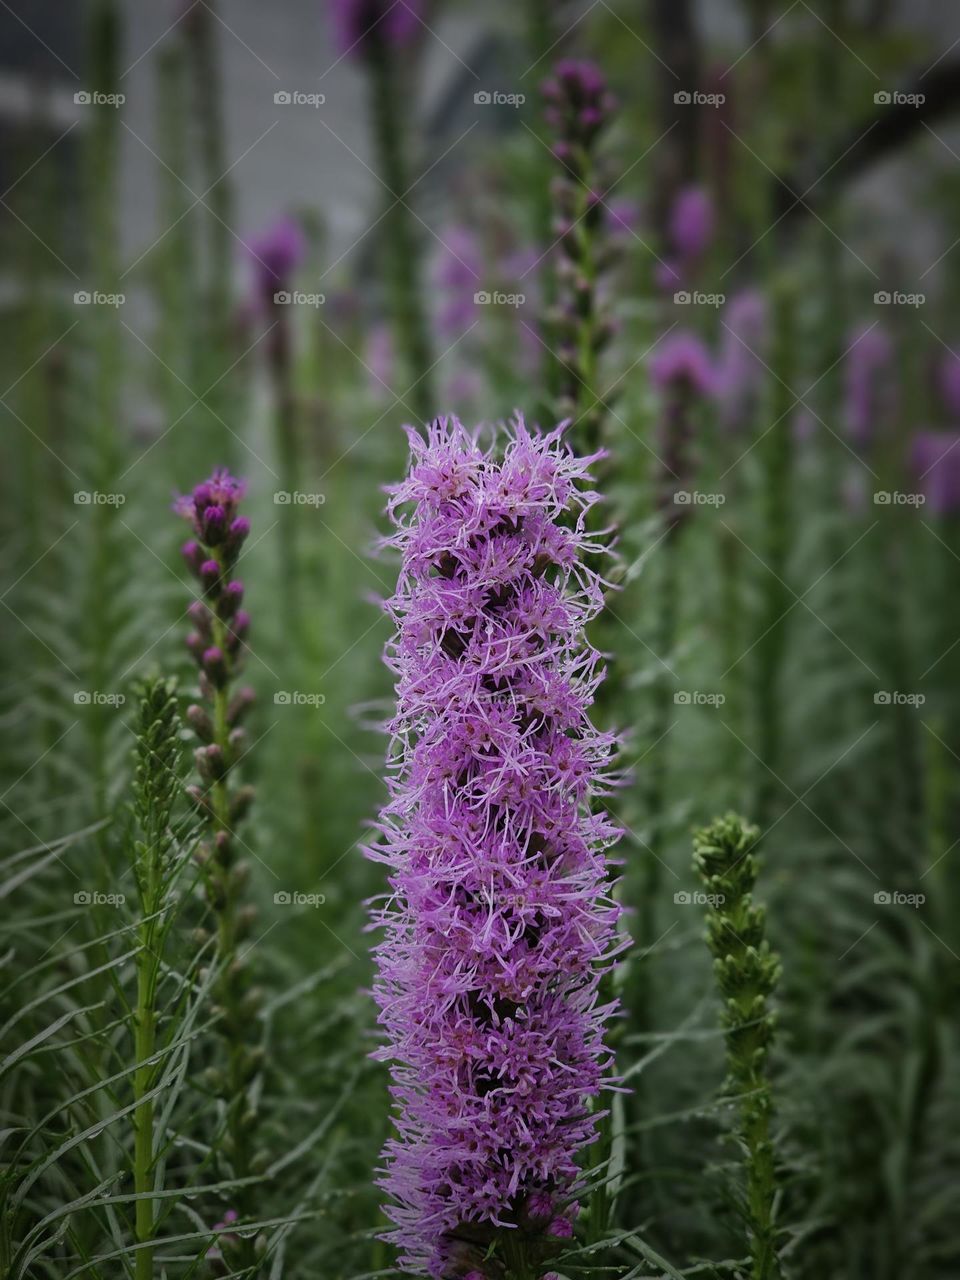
(230, 599)
(239, 703)
(214, 525)
(200, 722)
(215, 666)
(209, 574)
(240, 804)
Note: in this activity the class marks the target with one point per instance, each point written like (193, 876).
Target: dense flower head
(935, 456)
(578, 105)
(276, 253)
(682, 360)
(500, 920)
(869, 388)
(359, 23)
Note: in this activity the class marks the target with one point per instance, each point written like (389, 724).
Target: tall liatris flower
(216, 642)
(579, 105)
(500, 922)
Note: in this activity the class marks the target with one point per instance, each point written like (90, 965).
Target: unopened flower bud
(239, 703)
(209, 574)
(214, 525)
(215, 666)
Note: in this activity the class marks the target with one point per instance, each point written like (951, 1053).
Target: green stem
(399, 239)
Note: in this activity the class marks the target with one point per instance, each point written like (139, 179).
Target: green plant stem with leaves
(400, 242)
(155, 789)
(747, 972)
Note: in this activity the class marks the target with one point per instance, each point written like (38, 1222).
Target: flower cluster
(578, 107)
(359, 23)
(500, 922)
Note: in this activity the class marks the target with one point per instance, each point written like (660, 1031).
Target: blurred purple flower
(691, 223)
(357, 24)
(381, 358)
(743, 347)
(682, 359)
(276, 253)
(625, 215)
(935, 457)
(869, 388)
(457, 276)
(500, 919)
(949, 381)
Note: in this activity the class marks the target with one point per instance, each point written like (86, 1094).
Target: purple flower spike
(870, 391)
(741, 371)
(276, 254)
(682, 359)
(936, 462)
(500, 919)
(692, 223)
(359, 24)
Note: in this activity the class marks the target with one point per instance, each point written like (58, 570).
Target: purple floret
(500, 921)
(358, 23)
(935, 456)
(682, 359)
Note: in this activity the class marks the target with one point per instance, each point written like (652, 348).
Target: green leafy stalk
(155, 788)
(399, 239)
(747, 972)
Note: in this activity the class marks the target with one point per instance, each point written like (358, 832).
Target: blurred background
(262, 237)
